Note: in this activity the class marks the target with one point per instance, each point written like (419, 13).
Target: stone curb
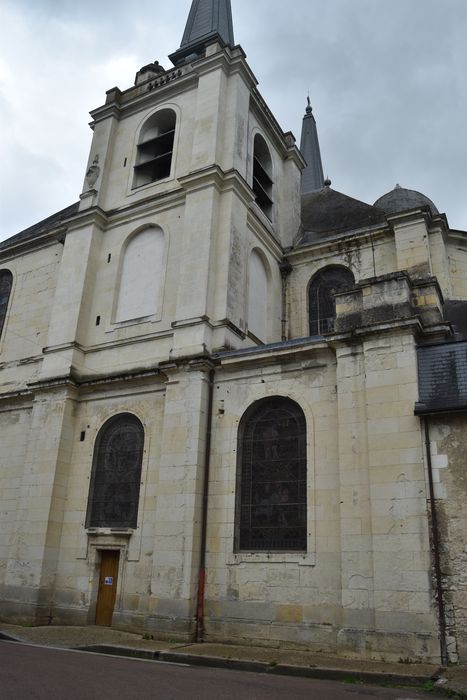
(321, 673)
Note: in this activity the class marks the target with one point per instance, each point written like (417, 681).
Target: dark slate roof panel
(442, 378)
(312, 175)
(326, 212)
(42, 227)
(269, 347)
(207, 17)
(455, 311)
(401, 199)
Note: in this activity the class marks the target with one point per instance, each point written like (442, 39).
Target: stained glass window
(6, 280)
(116, 474)
(322, 305)
(272, 484)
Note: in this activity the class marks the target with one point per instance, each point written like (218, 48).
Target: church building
(233, 401)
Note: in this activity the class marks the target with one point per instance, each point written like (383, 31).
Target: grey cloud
(386, 77)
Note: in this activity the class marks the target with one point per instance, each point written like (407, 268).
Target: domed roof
(401, 199)
(326, 212)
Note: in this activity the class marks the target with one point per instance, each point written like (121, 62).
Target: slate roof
(402, 199)
(442, 378)
(208, 20)
(48, 224)
(207, 16)
(327, 212)
(312, 175)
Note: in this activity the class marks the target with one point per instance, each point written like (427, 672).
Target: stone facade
(192, 364)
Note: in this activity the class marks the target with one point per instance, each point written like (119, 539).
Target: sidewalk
(451, 681)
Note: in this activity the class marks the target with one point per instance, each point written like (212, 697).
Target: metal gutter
(435, 541)
(204, 514)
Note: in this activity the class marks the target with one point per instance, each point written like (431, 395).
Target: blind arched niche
(258, 297)
(140, 276)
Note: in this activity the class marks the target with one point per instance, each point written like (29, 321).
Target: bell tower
(191, 156)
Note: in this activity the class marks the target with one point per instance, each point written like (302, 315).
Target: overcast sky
(387, 80)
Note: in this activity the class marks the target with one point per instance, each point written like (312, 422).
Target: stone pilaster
(385, 539)
(32, 563)
(179, 500)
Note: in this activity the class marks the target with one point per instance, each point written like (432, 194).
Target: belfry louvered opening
(155, 148)
(262, 176)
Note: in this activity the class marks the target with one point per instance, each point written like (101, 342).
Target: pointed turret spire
(208, 21)
(312, 175)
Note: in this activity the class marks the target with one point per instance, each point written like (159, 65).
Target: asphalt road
(39, 673)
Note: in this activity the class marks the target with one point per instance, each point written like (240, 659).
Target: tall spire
(208, 21)
(312, 175)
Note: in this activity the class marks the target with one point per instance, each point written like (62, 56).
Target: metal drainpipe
(436, 548)
(285, 269)
(204, 514)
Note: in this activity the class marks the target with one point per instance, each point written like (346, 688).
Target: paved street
(37, 673)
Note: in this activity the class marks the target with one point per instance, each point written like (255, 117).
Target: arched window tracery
(321, 297)
(272, 480)
(116, 473)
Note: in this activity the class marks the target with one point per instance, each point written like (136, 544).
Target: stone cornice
(74, 381)
(231, 61)
(460, 237)
(152, 204)
(46, 240)
(412, 325)
(334, 245)
(275, 352)
(89, 217)
(62, 383)
(121, 104)
(223, 181)
(25, 396)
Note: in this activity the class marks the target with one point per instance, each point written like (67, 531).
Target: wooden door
(107, 587)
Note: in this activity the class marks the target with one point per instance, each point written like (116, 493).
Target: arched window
(116, 473)
(6, 281)
(155, 148)
(140, 278)
(271, 482)
(322, 305)
(257, 297)
(262, 175)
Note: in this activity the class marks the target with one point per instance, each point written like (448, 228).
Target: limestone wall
(448, 435)
(14, 426)
(158, 560)
(25, 331)
(362, 257)
(272, 597)
(458, 270)
(363, 586)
